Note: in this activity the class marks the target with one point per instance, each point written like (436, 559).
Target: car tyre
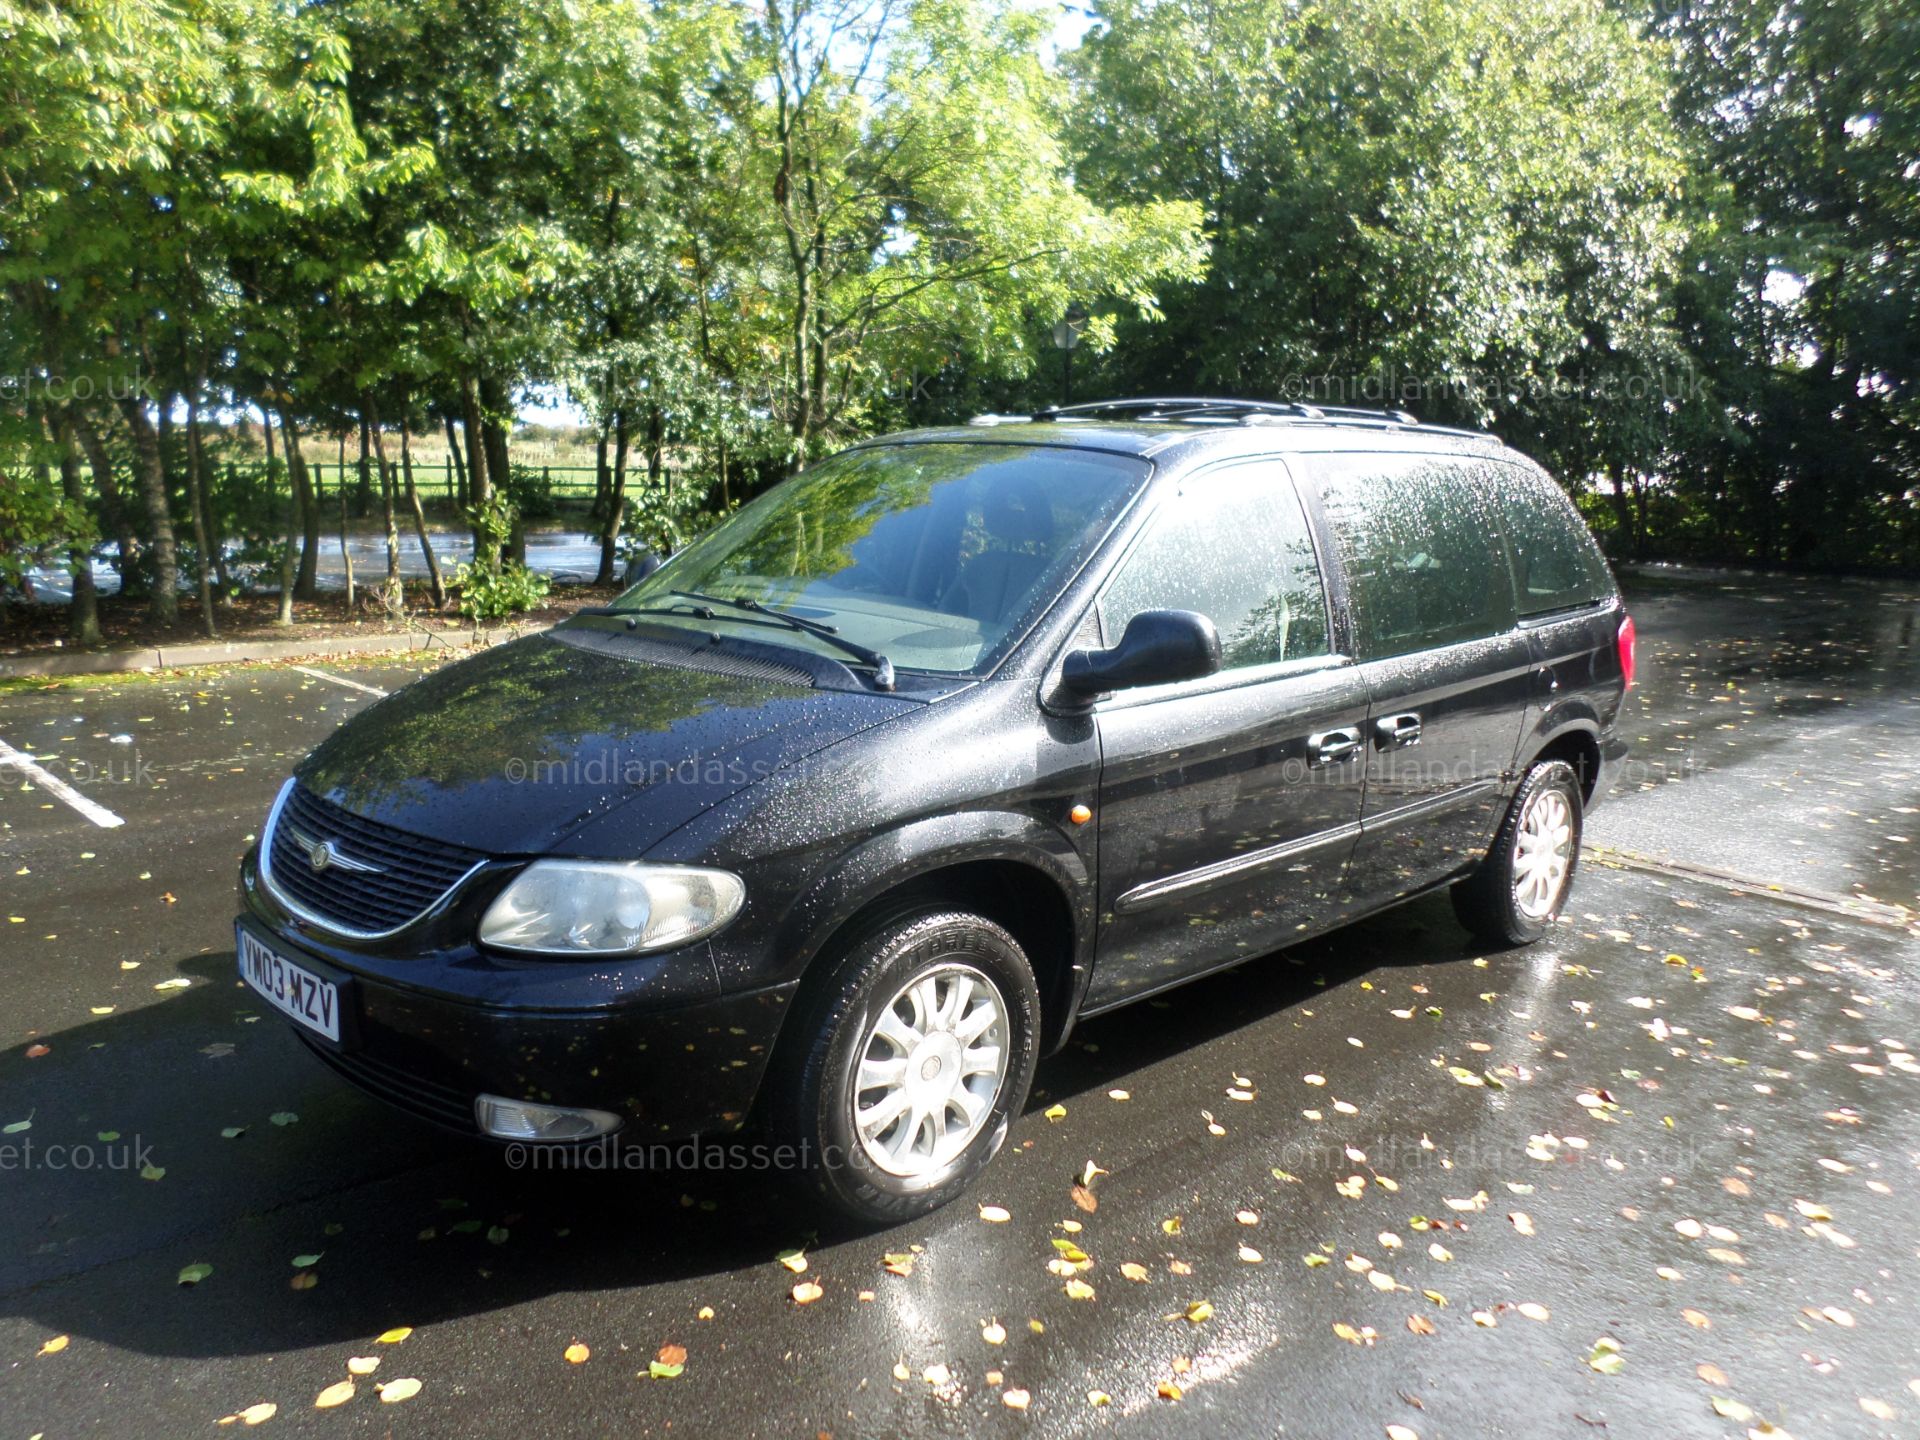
(917, 1009)
(1519, 889)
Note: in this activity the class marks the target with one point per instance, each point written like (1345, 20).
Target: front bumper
(428, 1034)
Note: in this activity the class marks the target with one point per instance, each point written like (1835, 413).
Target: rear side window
(1234, 546)
(1556, 565)
(1422, 554)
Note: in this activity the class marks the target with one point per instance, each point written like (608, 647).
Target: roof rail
(1246, 412)
(1182, 407)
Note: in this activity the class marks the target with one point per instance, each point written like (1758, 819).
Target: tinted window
(937, 555)
(1556, 564)
(1422, 555)
(1235, 547)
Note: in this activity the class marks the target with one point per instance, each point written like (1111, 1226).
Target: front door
(1227, 805)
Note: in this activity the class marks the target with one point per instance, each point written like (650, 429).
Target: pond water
(568, 556)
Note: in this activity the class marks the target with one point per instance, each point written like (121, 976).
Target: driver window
(1234, 546)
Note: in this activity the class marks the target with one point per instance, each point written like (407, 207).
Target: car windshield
(936, 555)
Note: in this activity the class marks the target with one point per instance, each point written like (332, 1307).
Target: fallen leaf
(56, 1345)
(794, 1260)
(1401, 1432)
(305, 1280)
(806, 1292)
(193, 1274)
(257, 1414)
(394, 1336)
(337, 1393)
(1167, 1390)
(1533, 1310)
(1711, 1373)
(1198, 1311)
(1522, 1221)
(1420, 1325)
(1250, 1255)
(1099, 1397)
(1079, 1290)
(994, 1333)
(1606, 1356)
(1084, 1198)
(363, 1364)
(394, 1391)
(995, 1214)
(1696, 1319)
(1134, 1270)
(1055, 1112)
(1016, 1399)
(577, 1354)
(1731, 1409)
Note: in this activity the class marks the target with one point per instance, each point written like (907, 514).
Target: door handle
(1330, 747)
(1392, 732)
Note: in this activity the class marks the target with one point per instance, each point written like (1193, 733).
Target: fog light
(523, 1120)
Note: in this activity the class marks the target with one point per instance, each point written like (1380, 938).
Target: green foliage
(36, 527)
(495, 592)
(1672, 249)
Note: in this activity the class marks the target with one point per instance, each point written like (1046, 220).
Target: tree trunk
(197, 500)
(616, 500)
(436, 587)
(1623, 517)
(479, 482)
(393, 594)
(163, 605)
(83, 611)
(346, 555)
(100, 461)
(196, 462)
(306, 585)
(459, 464)
(363, 483)
(284, 615)
(493, 431)
(602, 473)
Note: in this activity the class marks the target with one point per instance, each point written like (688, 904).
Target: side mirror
(639, 568)
(1158, 648)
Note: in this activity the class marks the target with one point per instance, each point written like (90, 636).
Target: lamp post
(1066, 338)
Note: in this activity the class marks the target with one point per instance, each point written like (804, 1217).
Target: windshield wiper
(882, 666)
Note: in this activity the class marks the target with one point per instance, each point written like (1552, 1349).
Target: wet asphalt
(1382, 1180)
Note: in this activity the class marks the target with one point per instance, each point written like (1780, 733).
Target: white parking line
(54, 785)
(340, 680)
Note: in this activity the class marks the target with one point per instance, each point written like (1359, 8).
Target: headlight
(609, 907)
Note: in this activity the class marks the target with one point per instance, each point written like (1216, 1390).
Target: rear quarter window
(1419, 544)
(1556, 564)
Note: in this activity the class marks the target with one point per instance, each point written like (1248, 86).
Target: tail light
(1626, 649)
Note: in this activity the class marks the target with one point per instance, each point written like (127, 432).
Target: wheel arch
(1574, 738)
(1010, 868)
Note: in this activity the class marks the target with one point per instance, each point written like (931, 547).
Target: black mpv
(846, 814)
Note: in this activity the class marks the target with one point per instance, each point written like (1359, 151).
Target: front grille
(413, 872)
(428, 1099)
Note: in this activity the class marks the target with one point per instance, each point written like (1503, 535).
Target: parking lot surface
(1654, 1176)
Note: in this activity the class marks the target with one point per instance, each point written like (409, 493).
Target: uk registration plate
(292, 989)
